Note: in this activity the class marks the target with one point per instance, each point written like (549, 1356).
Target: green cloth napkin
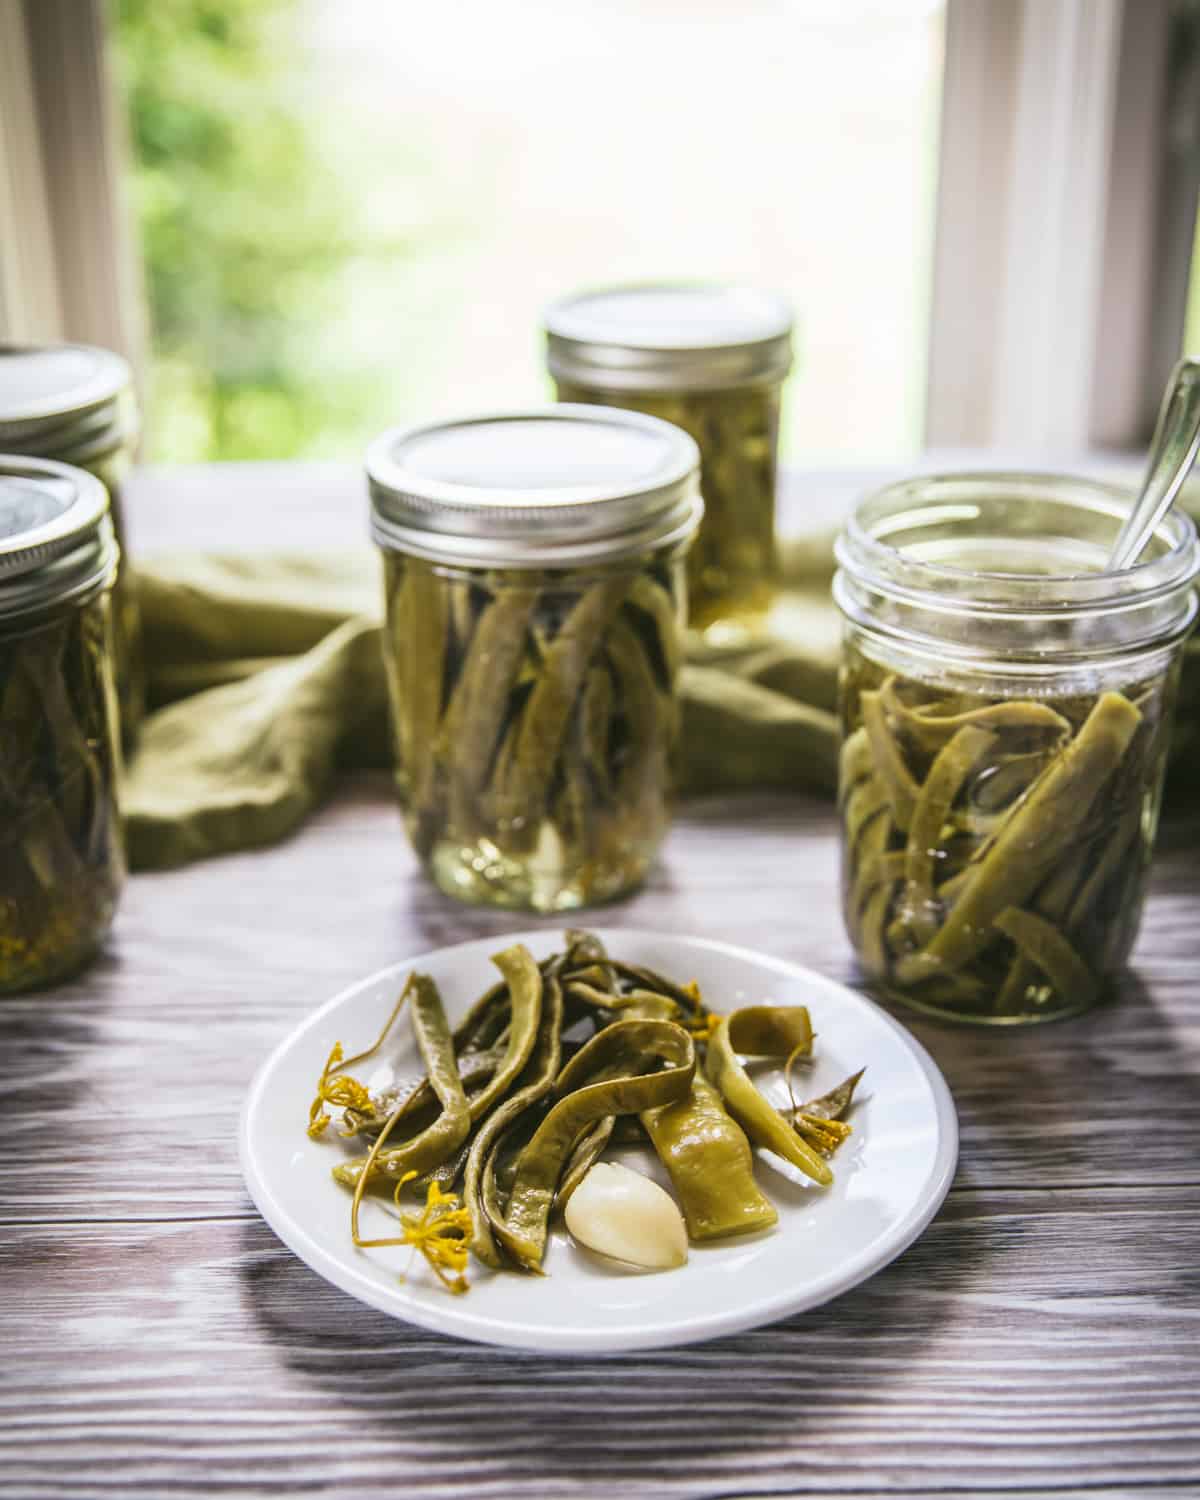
(265, 676)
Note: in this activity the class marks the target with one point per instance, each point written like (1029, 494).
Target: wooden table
(1043, 1337)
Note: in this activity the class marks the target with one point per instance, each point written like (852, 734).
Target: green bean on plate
(558, 1062)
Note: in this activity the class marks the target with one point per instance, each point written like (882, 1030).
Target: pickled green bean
(710, 1164)
(732, 566)
(534, 1084)
(834, 1104)
(1045, 946)
(524, 981)
(478, 706)
(1025, 849)
(543, 720)
(930, 730)
(534, 716)
(1017, 803)
(580, 1104)
(895, 777)
(819, 1121)
(855, 763)
(587, 1151)
(756, 1031)
(61, 852)
(517, 1107)
(954, 762)
(443, 1136)
(643, 706)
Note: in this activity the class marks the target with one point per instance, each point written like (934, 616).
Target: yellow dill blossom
(340, 1090)
(702, 1026)
(439, 1232)
(822, 1135)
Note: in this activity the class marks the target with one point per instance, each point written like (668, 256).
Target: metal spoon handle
(1172, 454)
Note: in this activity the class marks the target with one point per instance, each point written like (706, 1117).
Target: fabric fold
(265, 674)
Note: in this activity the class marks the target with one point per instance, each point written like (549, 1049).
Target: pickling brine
(995, 849)
(534, 718)
(711, 360)
(732, 566)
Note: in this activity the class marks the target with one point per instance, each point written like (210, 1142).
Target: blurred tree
(246, 233)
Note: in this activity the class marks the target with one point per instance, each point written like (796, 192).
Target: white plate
(890, 1176)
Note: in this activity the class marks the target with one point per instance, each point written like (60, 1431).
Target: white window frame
(1066, 200)
(67, 265)
(1064, 225)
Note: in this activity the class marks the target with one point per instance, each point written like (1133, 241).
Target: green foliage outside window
(248, 235)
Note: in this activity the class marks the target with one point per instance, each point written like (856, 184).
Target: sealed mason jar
(535, 599)
(75, 404)
(1006, 709)
(712, 360)
(62, 859)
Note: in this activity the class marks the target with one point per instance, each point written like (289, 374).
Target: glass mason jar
(62, 860)
(75, 404)
(1006, 709)
(712, 360)
(535, 597)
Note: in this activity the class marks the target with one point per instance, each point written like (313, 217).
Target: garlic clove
(618, 1212)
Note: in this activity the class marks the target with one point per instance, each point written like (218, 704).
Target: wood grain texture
(1042, 1338)
(990, 1352)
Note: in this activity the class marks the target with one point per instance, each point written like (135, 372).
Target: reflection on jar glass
(62, 859)
(535, 597)
(75, 404)
(1006, 712)
(711, 360)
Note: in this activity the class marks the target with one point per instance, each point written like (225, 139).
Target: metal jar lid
(669, 338)
(56, 539)
(70, 402)
(547, 488)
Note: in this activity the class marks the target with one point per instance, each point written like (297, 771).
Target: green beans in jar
(61, 851)
(732, 566)
(534, 705)
(711, 360)
(1005, 736)
(75, 404)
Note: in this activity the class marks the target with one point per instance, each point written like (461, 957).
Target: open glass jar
(712, 360)
(61, 854)
(1006, 708)
(535, 597)
(75, 404)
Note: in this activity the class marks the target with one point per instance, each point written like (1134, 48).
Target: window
(352, 212)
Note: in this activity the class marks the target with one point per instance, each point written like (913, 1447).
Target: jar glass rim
(863, 551)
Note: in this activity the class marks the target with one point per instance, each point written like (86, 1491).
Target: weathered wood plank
(1029, 1340)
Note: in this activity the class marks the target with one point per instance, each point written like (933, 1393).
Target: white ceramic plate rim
(456, 1316)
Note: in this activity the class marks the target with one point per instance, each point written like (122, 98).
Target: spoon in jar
(1172, 454)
